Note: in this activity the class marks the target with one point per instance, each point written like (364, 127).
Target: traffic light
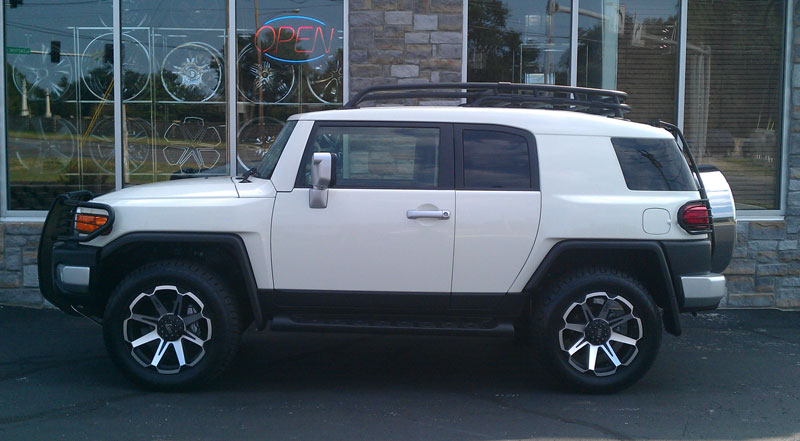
(108, 56)
(55, 51)
(14, 3)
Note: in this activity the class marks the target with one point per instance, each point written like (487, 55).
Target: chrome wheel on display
(192, 72)
(97, 68)
(137, 138)
(37, 77)
(600, 334)
(167, 329)
(262, 79)
(325, 80)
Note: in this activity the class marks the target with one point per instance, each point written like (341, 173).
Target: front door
(389, 224)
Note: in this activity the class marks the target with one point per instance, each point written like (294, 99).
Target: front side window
(381, 157)
(495, 160)
(267, 165)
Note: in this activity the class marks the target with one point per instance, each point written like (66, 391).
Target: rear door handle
(428, 214)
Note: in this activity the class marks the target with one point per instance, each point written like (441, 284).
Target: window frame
(446, 168)
(533, 158)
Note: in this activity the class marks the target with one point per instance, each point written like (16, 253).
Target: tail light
(88, 223)
(695, 217)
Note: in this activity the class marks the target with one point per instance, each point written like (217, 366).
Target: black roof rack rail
(544, 96)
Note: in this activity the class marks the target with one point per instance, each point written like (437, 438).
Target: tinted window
(267, 165)
(653, 164)
(494, 159)
(381, 157)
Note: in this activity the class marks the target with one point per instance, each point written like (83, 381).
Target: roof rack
(540, 96)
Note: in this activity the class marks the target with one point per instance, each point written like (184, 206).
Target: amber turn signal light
(89, 223)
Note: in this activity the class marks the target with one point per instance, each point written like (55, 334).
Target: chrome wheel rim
(600, 334)
(167, 329)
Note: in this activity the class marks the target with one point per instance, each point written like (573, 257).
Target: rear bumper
(702, 292)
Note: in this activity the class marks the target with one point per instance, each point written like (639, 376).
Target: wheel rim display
(325, 80)
(263, 80)
(37, 77)
(192, 72)
(52, 151)
(600, 334)
(167, 329)
(255, 138)
(137, 140)
(97, 71)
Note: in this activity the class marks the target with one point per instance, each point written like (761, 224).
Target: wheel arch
(644, 260)
(224, 252)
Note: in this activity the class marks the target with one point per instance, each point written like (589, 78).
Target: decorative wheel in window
(43, 145)
(262, 79)
(192, 72)
(97, 67)
(36, 76)
(325, 79)
(101, 143)
(255, 138)
(193, 146)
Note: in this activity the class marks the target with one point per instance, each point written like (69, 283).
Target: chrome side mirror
(323, 167)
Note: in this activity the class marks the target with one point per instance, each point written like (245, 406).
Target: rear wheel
(597, 330)
(171, 325)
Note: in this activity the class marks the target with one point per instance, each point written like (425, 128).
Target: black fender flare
(233, 241)
(672, 322)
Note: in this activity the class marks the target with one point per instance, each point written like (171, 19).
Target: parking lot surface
(732, 375)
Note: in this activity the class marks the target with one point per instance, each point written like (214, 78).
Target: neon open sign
(295, 39)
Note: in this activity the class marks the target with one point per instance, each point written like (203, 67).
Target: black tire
(207, 343)
(563, 302)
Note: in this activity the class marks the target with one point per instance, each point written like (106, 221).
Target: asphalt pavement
(733, 375)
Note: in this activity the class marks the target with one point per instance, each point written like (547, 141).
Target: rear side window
(653, 164)
(495, 160)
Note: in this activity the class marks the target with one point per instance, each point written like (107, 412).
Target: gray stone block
(790, 281)
(424, 22)
(446, 37)
(751, 300)
(766, 284)
(15, 240)
(356, 5)
(418, 37)
(366, 18)
(24, 228)
(740, 266)
(10, 279)
(366, 70)
(13, 258)
(763, 245)
(30, 276)
(772, 269)
(785, 245)
(361, 38)
(29, 255)
(358, 56)
(405, 70)
(384, 4)
(788, 298)
(446, 5)
(448, 51)
(418, 52)
(793, 225)
(392, 31)
(450, 22)
(793, 199)
(412, 80)
(21, 297)
(386, 56)
(768, 230)
(390, 43)
(398, 17)
(739, 284)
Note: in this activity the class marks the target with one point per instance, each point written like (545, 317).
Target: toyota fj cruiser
(529, 209)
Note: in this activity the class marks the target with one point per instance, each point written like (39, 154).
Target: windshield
(267, 165)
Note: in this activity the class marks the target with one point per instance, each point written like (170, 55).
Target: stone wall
(19, 278)
(404, 41)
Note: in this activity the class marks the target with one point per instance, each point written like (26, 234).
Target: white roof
(537, 121)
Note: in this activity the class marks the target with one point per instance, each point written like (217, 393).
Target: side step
(387, 324)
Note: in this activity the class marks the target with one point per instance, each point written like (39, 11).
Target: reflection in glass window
(496, 160)
(734, 63)
(58, 101)
(397, 157)
(520, 41)
(289, 60)
(631, 45)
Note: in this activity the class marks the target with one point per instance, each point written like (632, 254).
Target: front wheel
(171, 325)
(597, 330)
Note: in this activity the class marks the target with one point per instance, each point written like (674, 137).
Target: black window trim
(533, 158)
(446, 156)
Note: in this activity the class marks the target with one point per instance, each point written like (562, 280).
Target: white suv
(582, 233)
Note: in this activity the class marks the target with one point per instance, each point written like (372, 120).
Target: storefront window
(289, 60)
(631, 45)
(734, 64)
(520, 41)
(173, 74)
(58, 65)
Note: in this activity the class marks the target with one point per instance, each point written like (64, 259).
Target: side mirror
(323, 167)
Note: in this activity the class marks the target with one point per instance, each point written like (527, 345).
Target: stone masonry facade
(411, 41)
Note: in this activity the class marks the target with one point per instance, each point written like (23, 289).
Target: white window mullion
(573, 46)
(684, 21)
(117, 33)
(230, 81)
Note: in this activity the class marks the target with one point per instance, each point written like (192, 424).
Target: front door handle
(428, 214)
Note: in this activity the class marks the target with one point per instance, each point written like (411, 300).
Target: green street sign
(18, 50)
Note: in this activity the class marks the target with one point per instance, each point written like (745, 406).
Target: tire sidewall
(215, 309)
(575, 291)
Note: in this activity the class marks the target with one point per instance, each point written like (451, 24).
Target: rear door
(498, 205)
(369, 240)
